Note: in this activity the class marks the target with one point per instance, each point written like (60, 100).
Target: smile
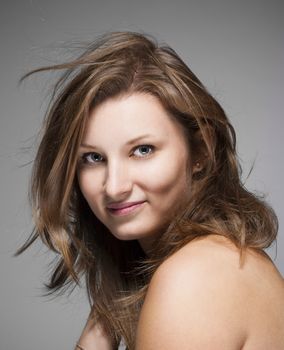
(122, 209)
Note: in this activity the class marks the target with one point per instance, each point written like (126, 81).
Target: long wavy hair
(118, 272)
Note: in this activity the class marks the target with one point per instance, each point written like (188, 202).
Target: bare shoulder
(215, 260)
(203, 286)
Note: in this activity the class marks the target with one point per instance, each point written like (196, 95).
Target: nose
(118, 184)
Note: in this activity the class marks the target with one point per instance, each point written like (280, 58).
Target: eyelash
(85, 157)
(145, 146)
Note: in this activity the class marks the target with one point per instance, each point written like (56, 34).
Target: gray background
(235, 47)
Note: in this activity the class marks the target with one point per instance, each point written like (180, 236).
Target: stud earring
(197, 165)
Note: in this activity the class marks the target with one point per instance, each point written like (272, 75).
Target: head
(121, 68)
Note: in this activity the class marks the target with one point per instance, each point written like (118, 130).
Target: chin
(127, 236)
(135, 233)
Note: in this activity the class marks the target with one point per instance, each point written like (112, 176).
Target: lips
(123, 208)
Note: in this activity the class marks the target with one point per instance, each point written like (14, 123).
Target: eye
(91, 158)
(143, 150)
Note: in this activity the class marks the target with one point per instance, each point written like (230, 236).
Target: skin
(200, 298)
(94, 337)
(134, 151)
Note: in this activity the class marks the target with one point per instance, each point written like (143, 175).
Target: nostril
(117, 191)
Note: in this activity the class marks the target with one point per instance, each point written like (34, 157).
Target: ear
(197, 167)
(199, 151)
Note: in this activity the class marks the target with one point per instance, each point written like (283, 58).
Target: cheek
(166, 177)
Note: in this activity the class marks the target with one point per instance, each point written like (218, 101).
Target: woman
(136, 185)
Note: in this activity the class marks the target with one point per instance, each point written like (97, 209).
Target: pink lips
(121, 209)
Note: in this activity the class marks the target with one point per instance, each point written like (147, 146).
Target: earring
(197, 165)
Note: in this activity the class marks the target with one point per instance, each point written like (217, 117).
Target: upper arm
(192, 305)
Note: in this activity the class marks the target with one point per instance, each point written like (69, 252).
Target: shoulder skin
(200, 298)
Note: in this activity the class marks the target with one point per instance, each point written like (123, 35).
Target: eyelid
(84, 161)
(145, 155)
(83, 157)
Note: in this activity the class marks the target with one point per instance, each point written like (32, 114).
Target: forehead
(129, 116)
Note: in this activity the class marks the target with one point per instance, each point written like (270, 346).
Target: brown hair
(118, 272)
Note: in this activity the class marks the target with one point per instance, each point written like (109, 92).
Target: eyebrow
(130, 142)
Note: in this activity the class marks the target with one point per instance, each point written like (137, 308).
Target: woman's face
(134, 167)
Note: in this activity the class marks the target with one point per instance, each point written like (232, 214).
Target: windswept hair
(118, 272)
